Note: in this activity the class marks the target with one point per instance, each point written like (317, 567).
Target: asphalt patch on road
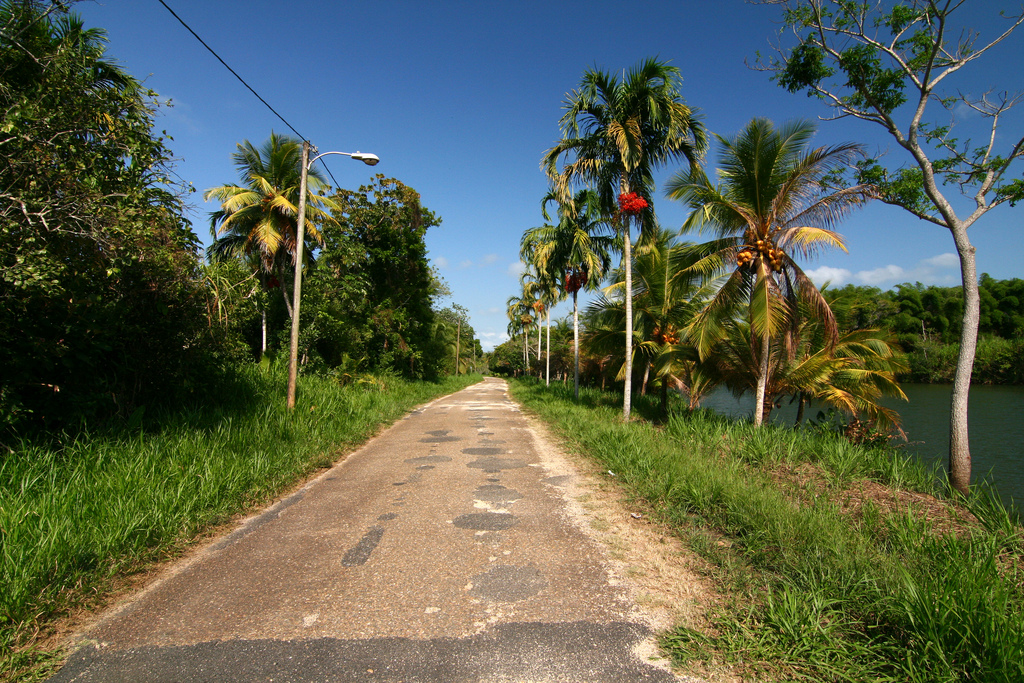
(425, 459)
(489, 450)
(486, 521)
(496, 464)
(492, 493)
(505, 583)
(522, 651)
(360, 552)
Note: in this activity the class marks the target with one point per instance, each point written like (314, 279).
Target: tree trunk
(959, 445)
(287, 295)
(547, 371)
(762, 382)
(627, 392)
(647, 375)
(576, 343)
(263, 324)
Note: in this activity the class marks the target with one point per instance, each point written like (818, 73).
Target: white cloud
(465, 264)
(488, 340)
(944, 261)
(441, 262)
(937, 270)
(878, 276)
(489, 259)
(836, 276)
(516, 268)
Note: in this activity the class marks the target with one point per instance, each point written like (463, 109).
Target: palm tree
(614, 135)
(850, 374)
(772, 201)
(259, 218)
(668, 292)
(519, 310)
(534, 292)
(574, 253)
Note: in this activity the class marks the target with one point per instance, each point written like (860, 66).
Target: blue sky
(461, 99)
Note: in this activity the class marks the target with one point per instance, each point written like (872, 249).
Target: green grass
(76, 516)
(812, 592)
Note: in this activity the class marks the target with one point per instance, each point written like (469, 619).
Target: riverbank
(79, 519)
(831, 559)
(997, 361)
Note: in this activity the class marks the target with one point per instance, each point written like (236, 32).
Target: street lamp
(300, 238)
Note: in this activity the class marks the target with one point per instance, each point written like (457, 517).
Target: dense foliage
(106, 306)
(372, 284)
(100, 308)
(926, 322)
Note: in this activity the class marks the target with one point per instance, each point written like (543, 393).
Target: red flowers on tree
(631, 203)
(575, 279)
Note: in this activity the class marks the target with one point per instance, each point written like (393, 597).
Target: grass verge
(77, 517)
(837, 562)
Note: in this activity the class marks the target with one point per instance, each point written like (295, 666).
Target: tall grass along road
(835, 562)
(76, 518)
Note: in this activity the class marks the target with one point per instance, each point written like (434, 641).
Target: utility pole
(300, 238)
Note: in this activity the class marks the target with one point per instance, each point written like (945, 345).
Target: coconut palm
(850, 374)
(614, 135)
(259, 217)
(771, 203)
(574, 253)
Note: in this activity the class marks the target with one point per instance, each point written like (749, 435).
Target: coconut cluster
(670, 335)
(768, 252)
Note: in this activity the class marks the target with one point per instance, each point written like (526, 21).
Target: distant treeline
(926, 323)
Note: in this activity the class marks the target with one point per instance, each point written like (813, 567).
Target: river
(996, 428)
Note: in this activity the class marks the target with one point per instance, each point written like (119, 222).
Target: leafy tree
(614, 135)
(458, 336)
(519, 309)
(885, 63)
(374, 268)
(100, 302)
(771, 203)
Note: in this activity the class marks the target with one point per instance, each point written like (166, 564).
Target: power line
(242, 80)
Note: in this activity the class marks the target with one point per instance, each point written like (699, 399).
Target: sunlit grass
(74, 516)
(815, 592)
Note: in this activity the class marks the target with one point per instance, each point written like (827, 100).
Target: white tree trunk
(547, 371)
(576, 343)
(959, 444)
(627, 262)
(263, 348)
(762, 383)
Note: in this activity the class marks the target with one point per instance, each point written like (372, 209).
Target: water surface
(996, 415)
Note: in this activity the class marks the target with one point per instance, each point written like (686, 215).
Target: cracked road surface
(442, 550)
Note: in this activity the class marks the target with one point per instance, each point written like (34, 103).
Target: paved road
(441, 551)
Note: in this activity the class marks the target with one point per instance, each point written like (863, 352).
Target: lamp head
(368, 159)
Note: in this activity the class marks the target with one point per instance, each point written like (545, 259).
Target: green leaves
(804, 69)
(871, 85)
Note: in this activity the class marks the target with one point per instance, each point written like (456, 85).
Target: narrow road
(443, 550)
